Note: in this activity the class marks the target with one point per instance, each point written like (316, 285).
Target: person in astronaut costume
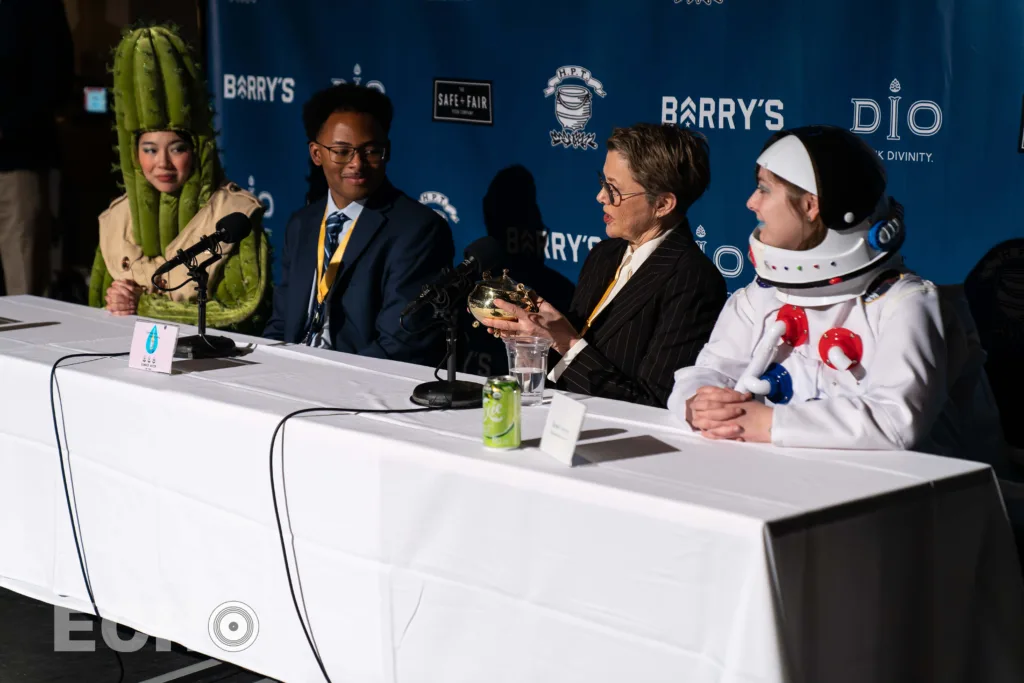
(836, 344)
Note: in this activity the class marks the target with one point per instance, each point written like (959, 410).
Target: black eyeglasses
(371, 152)
(614, 196)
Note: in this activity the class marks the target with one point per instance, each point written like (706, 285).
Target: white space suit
(919, 382)
(852, 350)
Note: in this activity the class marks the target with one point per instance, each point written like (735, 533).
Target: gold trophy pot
(491, 289)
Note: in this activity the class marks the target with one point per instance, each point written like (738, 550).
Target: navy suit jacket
(397, 246)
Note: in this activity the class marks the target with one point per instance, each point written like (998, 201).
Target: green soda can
(502, 406)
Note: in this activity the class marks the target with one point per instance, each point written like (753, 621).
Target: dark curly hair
(345, 97)
(341, 97)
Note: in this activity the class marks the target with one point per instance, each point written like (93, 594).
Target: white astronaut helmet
(864, 227)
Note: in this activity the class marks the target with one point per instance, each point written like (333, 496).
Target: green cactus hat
(158, 86)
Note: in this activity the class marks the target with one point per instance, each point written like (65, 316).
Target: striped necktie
(335, 222)
(315, 323)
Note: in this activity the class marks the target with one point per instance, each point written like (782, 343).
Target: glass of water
(528, 363)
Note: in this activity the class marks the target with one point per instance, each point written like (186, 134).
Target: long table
(420, 556)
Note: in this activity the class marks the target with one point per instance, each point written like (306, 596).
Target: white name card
(562, 430)
(153, 346)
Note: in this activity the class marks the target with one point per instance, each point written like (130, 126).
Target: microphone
(483, 254)
(231, 229)
(454, 284)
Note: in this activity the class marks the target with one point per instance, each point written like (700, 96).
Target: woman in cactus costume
(175, 194)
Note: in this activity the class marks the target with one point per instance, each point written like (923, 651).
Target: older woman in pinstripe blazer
(648, 297)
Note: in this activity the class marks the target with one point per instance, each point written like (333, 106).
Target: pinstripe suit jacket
(657, 323)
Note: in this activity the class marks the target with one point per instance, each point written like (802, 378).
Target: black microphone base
(456, 394)
(196, 347)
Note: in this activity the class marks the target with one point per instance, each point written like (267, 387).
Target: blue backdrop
(934, 85)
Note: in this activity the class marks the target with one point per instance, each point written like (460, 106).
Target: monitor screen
(96, 100)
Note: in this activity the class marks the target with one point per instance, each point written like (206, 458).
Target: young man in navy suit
(353, 260)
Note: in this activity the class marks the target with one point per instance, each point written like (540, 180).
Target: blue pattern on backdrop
(934, 85)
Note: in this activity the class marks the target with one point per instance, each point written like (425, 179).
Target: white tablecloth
(424, 557)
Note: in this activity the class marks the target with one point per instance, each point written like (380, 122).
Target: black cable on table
(69, 482)
(277, 513)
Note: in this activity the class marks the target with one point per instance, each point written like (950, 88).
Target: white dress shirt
(632, 260)
(322, 340)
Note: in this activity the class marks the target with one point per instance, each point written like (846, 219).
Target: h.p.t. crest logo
(574, 105)
(441, 205)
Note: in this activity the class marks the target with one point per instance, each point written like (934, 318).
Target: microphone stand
(201, 345)
(451, 392)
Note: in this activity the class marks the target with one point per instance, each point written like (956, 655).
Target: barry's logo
(259, 88)
(722, 112)
(574, 105)
(441, 205)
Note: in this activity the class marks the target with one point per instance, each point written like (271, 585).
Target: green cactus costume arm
(159, 87)
(232, 304)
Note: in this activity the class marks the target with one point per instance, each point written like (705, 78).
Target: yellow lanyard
(604, 296)
(325, 280)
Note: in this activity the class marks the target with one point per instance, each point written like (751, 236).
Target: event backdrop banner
(502, 108)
